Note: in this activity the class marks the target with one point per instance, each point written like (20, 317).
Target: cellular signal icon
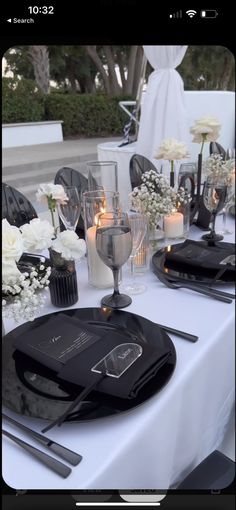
(191, 13)
(177, 14)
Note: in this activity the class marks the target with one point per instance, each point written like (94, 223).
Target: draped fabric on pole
(163, 113)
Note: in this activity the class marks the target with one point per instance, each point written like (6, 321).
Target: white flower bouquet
(22, 294)
(21, 291)
(155, 197)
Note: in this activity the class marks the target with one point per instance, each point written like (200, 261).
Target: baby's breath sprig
(155, 197)
(23, 298)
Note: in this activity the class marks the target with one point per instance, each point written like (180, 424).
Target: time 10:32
(34, 9)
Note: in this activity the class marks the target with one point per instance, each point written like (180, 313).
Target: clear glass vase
(156, 235)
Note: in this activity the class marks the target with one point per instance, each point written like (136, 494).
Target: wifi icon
(191, 13)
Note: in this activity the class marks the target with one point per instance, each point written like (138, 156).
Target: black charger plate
(195, 275)
(30, 389)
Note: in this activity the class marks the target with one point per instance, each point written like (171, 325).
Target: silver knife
(66, 454)
(54, 464)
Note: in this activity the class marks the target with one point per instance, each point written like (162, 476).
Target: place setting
(99, 346)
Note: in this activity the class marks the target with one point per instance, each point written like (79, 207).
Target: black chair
(67, 176)
(16, 208)
(216, 148)
(215, 472)
(139, 165)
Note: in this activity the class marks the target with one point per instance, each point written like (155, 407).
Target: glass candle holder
(141, 260)
(104, 173)
(94, 203)
(176, 224)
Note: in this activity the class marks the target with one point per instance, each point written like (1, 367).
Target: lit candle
(100, 274)
(174, 225)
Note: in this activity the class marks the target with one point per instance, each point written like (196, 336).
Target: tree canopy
(114, 70)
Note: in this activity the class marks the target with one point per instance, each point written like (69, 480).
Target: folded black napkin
(71, 348)
(57, 340)
(197, 257)
(79, 369)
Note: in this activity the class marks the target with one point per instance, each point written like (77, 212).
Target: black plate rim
(70, 311)
(159, 255)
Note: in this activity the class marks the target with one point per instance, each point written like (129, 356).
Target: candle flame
(96, 218)
(215, 197)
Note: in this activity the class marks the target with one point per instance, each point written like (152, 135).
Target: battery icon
(210, 13)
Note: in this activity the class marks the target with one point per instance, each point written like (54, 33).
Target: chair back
(16, 208)
(139, 165)
(215, 472)
(216, 148)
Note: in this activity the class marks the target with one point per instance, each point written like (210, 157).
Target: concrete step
(44, 165)
(27, 182)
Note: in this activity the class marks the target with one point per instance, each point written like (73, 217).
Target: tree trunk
(92, 52)
(121, 65)
(131, 70)
(137, 71)
(40, 59)
(226, 73)
(115, 87)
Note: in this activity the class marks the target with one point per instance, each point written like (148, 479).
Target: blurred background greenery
(82, 85)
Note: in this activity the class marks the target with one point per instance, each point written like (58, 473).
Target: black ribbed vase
(63, 281)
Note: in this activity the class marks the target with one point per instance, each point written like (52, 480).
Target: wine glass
(139, 224)
(214, 196)
(69, 211)
(230, 191)
(114, 246)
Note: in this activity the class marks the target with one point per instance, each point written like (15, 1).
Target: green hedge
(21, 101)
(86, 114)
(82, 114)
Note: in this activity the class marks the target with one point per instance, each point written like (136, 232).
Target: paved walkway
(26, 167)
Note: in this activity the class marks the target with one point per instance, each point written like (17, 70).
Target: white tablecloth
(110, 151)
(157, 444)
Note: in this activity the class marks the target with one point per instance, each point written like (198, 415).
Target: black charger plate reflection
(29, 388)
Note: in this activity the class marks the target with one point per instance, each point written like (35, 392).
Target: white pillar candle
(174, 225)
(100, 274)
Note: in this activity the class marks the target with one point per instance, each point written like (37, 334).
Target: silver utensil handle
(53, 464)
(207, 292)
(177, 332)
(66, 454)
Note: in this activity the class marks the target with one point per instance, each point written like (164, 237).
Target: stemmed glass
(114, 246)
(139, 224)
(214, 196)
(69, 211)
(230, 191)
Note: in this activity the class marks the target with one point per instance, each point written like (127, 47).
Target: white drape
(163, 114)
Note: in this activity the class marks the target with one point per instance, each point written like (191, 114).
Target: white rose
(172, 149)
(69, 245)
(37, 234)
(12, 241)
(54, 191)
(208, 126)
(10, 271)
